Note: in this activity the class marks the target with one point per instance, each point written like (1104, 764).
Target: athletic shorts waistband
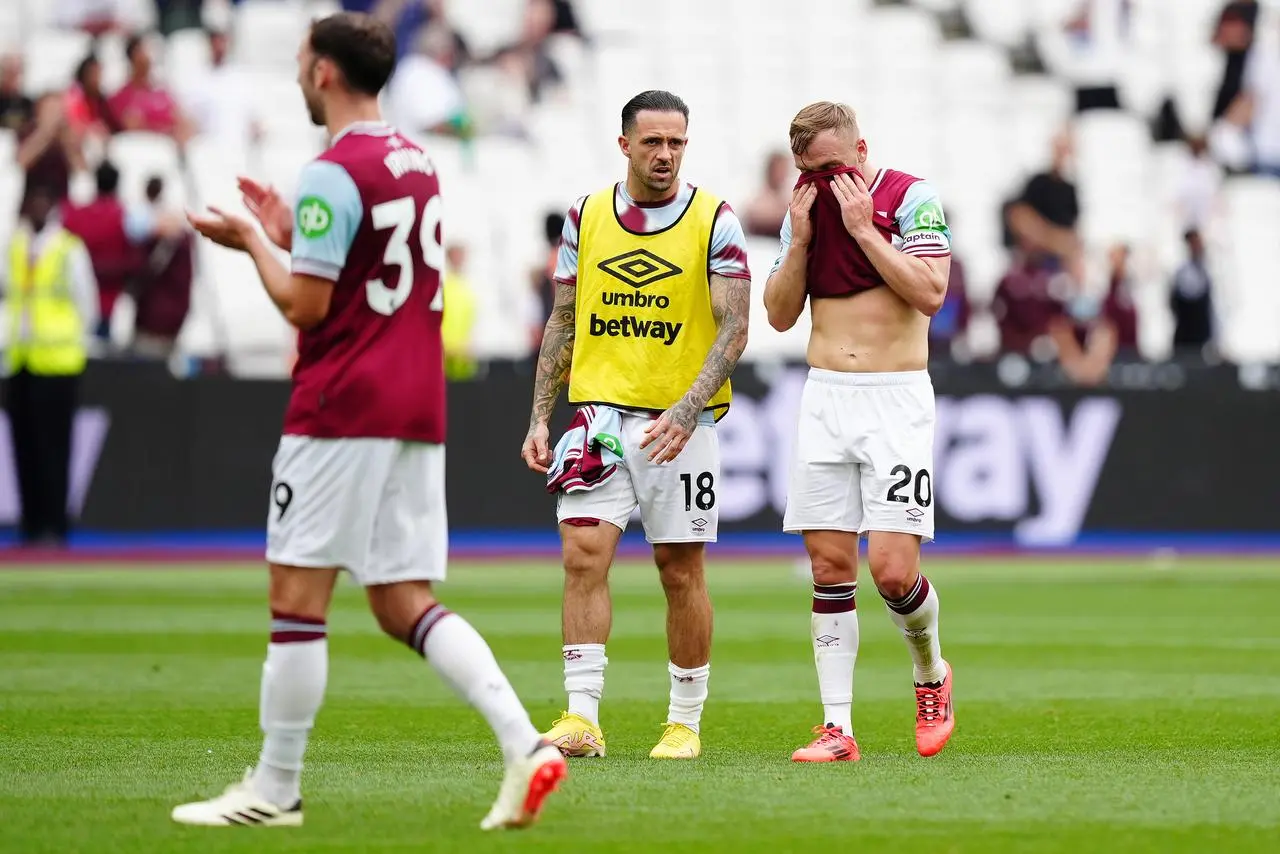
(869, 380)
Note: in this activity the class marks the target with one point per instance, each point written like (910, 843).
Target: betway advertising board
(1041, 467)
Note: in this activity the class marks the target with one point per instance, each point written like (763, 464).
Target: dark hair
(82, 70)
(108, 178)
(658, 101)
(553, 225)
(131, 45)
(363, 48)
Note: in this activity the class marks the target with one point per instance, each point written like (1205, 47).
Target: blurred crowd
(441, 87)
(1052, 304)
(1055, 301)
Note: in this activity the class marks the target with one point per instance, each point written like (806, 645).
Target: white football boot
(525, 787)
(238, 806)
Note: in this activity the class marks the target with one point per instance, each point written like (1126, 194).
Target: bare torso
(875, 331)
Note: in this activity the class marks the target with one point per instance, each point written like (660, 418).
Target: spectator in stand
(408, 17)
(1028, 298)
(16, 109)
(542, 295)
(1043, 218)
(101, 226)
(48, 150)
(1261, 104)
(1118, 306)
(52, 306)
(1088, 50)
(88, 108)
(459, 321)
(142, 104)
(162, 290)
(218, 101)
(1234, 35)
(423, 95)
(1092, 331)
(528, 59)
(1198, 185)
(1191, 299)
(766, 211)
(497, 95)
(1228, 139)
(950, 325)
(566, 20)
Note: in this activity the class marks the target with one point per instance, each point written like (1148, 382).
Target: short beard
(316, 112)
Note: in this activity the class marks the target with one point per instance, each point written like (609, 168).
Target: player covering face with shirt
(869, 250)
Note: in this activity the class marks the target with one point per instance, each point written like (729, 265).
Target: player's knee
(586, 560)
(300, 592)
(398, 607)
(894, 571)
(679, 565)
(832, 564)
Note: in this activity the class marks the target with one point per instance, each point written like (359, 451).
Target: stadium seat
(1002, 22)
(51, 58)
(214, 168)
(115, 65)
(486, 26)
(139, 156)
(1248, 300)
(281, 163)
(243, 319)
(763, 341)
(269, 32)
(187, 56)
(1113, 158)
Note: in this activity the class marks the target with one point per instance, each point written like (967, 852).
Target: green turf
(1101, 707)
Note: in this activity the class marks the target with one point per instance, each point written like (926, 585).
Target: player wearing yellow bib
(650, 318)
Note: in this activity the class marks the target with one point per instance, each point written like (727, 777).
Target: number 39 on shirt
(398, 215)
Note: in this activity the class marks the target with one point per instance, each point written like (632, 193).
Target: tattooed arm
(731, 305)
(553, 366)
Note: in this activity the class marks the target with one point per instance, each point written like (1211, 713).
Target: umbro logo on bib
(639, 268)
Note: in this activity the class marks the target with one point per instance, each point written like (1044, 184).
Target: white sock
(688, 694)
(293, 682)
(462, 658)
(834, 630)
(584, 665)
(917, 615)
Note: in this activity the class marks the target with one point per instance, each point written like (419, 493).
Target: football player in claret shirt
(870, 251)
(358, 480)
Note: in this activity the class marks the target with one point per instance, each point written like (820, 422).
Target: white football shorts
(864, 454)
(374, 507)
(677, 500)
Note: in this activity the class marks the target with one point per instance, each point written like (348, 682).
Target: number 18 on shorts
(677, 500)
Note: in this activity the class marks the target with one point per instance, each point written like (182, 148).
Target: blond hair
(817, 117)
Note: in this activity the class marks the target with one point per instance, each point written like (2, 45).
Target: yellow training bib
(644, 321)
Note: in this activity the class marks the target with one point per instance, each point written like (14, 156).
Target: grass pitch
(1101, 706)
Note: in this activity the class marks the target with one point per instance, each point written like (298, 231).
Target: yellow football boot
(678, 742)
(576, 736)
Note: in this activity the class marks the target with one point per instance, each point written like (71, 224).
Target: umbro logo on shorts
(699, 525)
(639, 268)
